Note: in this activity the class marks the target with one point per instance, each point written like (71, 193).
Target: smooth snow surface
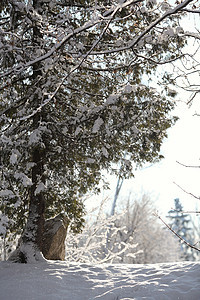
(59, 280)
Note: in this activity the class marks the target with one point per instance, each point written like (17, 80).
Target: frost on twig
(132, 236)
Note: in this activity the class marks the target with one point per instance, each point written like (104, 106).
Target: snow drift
(55, 280)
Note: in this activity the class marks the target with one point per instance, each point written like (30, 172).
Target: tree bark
(30, 245)
(33, 233)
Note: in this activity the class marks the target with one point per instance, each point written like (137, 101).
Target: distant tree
(181, 223)
(73, 101)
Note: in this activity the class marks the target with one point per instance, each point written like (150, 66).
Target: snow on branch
(159, 20)
(109, 13)
(149, 28)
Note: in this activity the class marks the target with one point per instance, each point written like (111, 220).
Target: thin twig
(196, 197)
(187, 165)
(185, 212)
(175, 233)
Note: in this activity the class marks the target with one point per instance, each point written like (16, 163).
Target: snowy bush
(99, 241)
(131, 236)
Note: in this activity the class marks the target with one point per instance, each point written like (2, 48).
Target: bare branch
(196, 197)
(187, 165)
(158, 62)
(185, 212)
(192, 97)
(175, 233)
(191, 34)
(193, 11)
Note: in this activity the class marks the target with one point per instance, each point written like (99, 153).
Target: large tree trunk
(33, 234)
(30, 246)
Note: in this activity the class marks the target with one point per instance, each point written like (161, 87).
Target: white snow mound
(55, 280)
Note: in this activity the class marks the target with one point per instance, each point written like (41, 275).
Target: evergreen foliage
(180, 222)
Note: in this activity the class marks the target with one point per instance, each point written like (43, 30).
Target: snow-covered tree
(181, 223)
(73, 100)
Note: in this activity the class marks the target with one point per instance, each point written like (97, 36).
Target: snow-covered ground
(55, 280)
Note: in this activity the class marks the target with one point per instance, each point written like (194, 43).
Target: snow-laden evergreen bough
(73, 99)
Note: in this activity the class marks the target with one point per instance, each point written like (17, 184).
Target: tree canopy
(75, 95)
